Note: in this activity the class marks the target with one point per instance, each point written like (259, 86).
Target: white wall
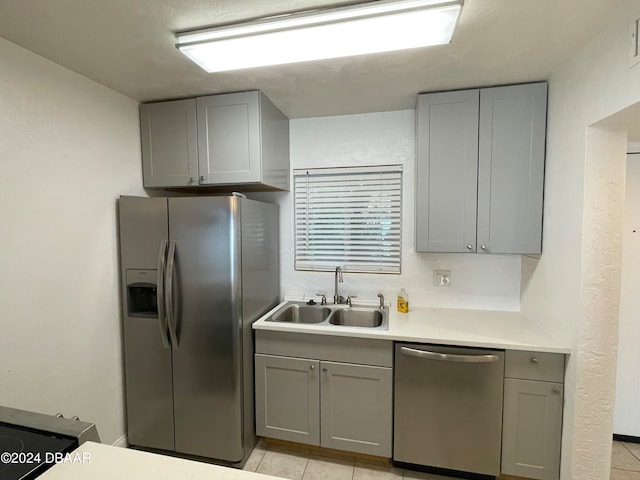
(627, 406)
(69, 147)
(572, 291)
(477, 281)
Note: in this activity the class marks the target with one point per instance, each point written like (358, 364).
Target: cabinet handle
(534, 360)
(324, 369)
(556, 389)
(469, 246)
(202, 178)
(313, 367)
(483, 247)
(191, 179)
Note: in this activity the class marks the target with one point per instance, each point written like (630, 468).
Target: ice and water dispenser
(142, 295)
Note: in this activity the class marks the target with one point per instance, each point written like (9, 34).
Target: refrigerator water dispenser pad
(142, 297)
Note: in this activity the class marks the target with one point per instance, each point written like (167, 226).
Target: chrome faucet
(338, 279)
(381, 297)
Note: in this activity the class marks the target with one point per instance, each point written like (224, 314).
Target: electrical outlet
(634, 46)
(442, 278)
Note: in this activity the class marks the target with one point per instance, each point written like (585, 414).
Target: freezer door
(207, 358)
(144, 229)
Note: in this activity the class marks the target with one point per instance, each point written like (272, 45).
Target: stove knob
(75, 418)
(59, 415)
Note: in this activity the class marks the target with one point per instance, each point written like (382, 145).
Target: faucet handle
(381, 297)
(324, 298)
(349, 297)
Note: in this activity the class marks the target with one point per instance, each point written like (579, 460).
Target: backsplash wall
(490, 282)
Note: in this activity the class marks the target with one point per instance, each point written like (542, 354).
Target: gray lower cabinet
(236, 139)
(480, 170)
(356, 405)
(532, 415)
(288, 398)
(332, 404)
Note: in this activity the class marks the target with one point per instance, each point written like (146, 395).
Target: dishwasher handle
(448, 357)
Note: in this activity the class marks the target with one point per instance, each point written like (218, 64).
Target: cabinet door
(511, 168)
(356, 402)
(446, 171)
(288, 399)
(532, 426)
(229, 138)
(169, 143)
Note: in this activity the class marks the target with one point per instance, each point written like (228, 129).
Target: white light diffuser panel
(350, 31)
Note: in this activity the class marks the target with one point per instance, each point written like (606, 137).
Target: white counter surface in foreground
(447, 326)
(96, 461)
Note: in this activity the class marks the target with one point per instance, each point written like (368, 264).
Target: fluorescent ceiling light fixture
(377, 26)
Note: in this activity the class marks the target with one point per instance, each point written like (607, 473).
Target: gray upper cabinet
(236, 139)
(169, 143)
(511, 152)
(242, 138)
(480, 170)
(447, 171)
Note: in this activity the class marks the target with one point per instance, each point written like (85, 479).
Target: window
(348, 217)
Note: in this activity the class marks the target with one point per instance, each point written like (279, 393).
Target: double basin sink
(332, 315)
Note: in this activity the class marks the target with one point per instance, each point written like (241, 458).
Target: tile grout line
(353, 469)
(626, 471)
(631, 451)
(306, 465)
(637, 460)
(262, 457)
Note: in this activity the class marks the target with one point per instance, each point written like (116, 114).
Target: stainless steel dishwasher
(448, 407)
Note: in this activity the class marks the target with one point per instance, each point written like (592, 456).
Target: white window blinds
(348, 217)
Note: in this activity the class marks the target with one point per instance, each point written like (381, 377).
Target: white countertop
(447, 326)
(95, 461)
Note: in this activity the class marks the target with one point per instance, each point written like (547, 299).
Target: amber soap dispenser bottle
(403, 301)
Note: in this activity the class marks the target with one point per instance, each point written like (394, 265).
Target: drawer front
(547, 367)
(363, 351)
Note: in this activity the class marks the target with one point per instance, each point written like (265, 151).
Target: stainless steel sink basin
(332, 315)
(357, 317)
(301, 314)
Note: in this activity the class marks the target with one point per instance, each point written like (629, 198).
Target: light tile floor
(625, 461)
(299, 463)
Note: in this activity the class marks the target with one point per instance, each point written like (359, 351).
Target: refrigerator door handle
(168, 282)
(162, 319)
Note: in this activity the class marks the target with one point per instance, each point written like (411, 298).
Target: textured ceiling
(129, 46)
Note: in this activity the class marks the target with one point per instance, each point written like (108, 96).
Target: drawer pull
(534, 360)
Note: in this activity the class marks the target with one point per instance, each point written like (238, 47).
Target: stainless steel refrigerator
(196, 272)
